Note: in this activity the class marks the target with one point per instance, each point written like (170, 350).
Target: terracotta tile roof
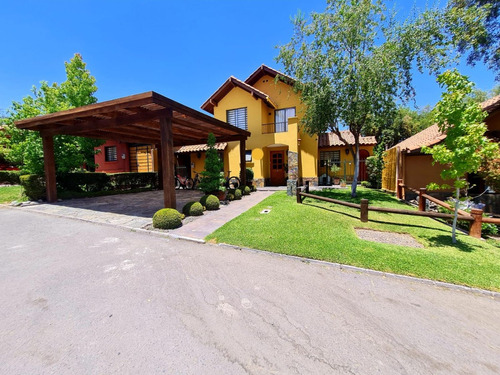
(265, 70)
(227, 86)
(491, 105)
(432, 135)
(200, 148)
(332, 139)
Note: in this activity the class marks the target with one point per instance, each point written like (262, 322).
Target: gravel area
(388, 237)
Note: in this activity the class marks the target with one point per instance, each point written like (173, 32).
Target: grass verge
(11, 193)
(325, 231)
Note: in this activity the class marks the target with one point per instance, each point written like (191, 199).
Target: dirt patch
(388, 237)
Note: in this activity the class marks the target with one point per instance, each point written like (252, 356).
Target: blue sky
(182, 49)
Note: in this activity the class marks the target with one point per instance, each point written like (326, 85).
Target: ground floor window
(110, 153)
(328, 158)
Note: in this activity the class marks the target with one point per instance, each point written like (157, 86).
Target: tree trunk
(356, 171)
(455, 214)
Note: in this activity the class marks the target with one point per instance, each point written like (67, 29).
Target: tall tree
(484, 46)
(71, 153)
(465, 145)
(352, 63)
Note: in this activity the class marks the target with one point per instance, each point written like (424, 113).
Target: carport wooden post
(243, 163)
(49, 167)
(160, 167)
(167, 160)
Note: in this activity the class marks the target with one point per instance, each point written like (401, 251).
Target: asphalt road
(80, 298)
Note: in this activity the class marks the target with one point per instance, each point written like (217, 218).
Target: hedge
(33, 186)
(10, 177)
(94, 181)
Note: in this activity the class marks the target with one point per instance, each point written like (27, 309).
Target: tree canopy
(71, 153)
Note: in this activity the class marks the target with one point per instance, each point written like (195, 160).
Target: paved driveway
(80, 298)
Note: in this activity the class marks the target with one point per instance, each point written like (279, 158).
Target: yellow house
(277, 151)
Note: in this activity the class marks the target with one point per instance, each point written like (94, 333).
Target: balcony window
(281, 117)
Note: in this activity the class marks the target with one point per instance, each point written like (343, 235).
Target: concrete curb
(342, 267)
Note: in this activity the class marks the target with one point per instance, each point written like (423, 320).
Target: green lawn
(325, 231)
(11, 193)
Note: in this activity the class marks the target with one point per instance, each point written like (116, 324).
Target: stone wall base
(291, 187)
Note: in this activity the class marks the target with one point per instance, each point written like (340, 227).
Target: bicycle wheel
(233, 182)
(189, 183)
(177, 184)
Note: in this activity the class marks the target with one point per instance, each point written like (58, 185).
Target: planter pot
(336, 181)
(220, 194)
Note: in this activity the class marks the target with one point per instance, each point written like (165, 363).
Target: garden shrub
(83, 181)
(249, 175)
(230, 196)
(211, 202)
(193, 209)
(10, 177)
(167, 218)
(366, 184)
(33, 186)
(254, 188)
(238, 194)
(246, 190)
(133, 180)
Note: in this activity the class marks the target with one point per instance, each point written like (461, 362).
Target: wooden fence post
(307, 186)
(399, 189)
(364, 210)
(299, 198)
(421, 199)
(475, 226)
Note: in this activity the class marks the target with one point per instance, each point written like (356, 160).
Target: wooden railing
(423, 197)
(475, 217)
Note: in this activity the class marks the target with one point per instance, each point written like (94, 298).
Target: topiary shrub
(254, 188)
(9, 177)
(366, 184)
(33, 186)
(230, 196)
(167, 218)
(192, 209)
(246, 190)
(212, 203)
(238, 194)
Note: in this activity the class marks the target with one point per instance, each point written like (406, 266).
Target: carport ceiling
(135, 119)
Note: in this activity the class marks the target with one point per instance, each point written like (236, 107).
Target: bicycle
(184, 182)
(196, 180)
(232, 182)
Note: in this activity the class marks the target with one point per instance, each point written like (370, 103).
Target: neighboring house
(405, 161)
(333, 151)
(277, 150)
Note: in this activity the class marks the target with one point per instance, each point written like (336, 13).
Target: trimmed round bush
(246, 190)
(254, 188)
(193, 209)
(212, 203)
(230, 196)
(167, 218)
(237, 194)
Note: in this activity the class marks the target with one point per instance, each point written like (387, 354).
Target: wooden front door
(277, 168)
(363, 175)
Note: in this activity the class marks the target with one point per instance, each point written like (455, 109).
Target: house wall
(258, 113)
(120, 165)
(418, 172)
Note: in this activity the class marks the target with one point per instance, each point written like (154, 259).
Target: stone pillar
(293, 173)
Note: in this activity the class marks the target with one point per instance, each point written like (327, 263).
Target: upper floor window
(110, 153)
(281, 117)
(238, 117)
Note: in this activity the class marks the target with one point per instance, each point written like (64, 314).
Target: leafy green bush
(249, 175)
(366, 184)
(211, 202)
(83, 181)
(211, 178)
(254, 188)
(230, 197)
(9, 177)
(33, 186)
(238, 194)
(167, 218)
(193, 209)
(133, 180)
(246, 190)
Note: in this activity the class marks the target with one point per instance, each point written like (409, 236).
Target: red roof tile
(332, 139)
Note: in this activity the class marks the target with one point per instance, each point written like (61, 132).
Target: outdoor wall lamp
(347, 151)
(198, 154)
(124, 156)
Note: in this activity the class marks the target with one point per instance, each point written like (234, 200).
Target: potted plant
(342, 184)
(334, 169)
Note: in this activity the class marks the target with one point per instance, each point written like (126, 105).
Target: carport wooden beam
(147, 118)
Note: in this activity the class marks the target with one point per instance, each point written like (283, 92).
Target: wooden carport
(142, 118)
